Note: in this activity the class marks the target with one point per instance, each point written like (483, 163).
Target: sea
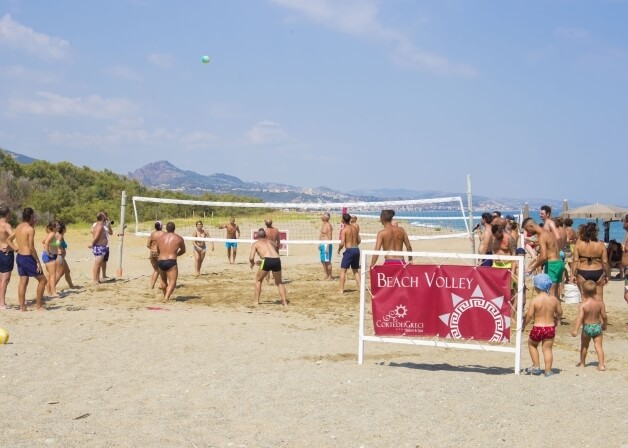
(453, 220)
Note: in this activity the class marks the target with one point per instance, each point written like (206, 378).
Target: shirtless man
(624, 259)
(233, 233)
(272, 234)
(546, 312)
(325, 249)
(269, 262)
(28, 264)
(349, 239)
(486, 238)
(98, 245)
(7, 255)
(392, 238)
(548, 224)
(549, 256)
(151, 244)
(169, 247)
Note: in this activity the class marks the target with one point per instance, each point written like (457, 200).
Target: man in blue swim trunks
(28, 264)
(7, 254)
(324, 248)
(233, 233)
(349, 239)
(169, 247)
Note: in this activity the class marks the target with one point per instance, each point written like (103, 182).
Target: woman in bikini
(62, 264)
(590, 260)
(200, 247)
(49, 257)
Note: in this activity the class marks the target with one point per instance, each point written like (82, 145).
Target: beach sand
(112, 366)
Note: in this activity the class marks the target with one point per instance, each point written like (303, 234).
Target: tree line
(72, 194)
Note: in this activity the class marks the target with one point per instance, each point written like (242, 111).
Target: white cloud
(91, 106)
(359, 18)
(124, 72)
(26, 74)
(266, 132)
(162, 60)
(17, 36)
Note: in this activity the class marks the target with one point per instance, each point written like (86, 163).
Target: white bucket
(572, 293)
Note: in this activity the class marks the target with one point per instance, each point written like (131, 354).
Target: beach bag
(572, 293)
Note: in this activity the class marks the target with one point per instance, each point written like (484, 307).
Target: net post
(121, 232)
(470, 206)
(363, 270)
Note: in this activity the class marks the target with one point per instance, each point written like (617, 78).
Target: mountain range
(165, 176)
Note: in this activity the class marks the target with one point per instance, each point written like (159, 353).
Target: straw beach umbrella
(596, 211)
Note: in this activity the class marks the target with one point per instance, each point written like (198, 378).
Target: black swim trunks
(270, 264)
(166, 265)
(7, 260)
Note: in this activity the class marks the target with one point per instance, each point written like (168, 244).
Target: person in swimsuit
(98, 245)
(269, 262)
(233, 233)
(549, 256)
(349, 239)
(592, 317)
(63, 269)
(169, 246)
(546, 312)
(7, 254)
(504, 244)
(28, 264)
(200, 247)
(486, 238)
(49, 257)
(391, 238)
(324, 249)
(272, 234)
(624, 259)
(151, 244)
(590, 260)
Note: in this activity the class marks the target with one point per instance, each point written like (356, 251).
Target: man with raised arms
(7, 255)
(169, 247)
(392, 238)
(549, 256)
(28, 264)
(349, 239)
(233, 233)
(269, 262)
(325, 249)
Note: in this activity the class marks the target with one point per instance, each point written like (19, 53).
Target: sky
(528, 98)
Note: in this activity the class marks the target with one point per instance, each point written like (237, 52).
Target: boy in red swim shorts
(545, 311)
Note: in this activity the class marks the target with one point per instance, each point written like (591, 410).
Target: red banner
(459, 302)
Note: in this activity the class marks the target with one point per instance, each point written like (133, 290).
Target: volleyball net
(421, 218)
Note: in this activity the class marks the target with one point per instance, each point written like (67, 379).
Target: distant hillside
(18, 157)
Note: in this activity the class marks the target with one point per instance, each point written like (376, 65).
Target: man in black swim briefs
(169, 246)
(269, 262)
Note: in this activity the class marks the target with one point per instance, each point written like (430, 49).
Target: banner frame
(439, 342)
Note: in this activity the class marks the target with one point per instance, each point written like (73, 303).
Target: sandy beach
(110, 365)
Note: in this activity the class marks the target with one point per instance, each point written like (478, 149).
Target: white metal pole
(121, 232)
(470, 206)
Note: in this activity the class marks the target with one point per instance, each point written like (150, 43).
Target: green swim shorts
(555, 269)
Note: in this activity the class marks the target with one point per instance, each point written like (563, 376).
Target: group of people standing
(17, 247)
(565, 256)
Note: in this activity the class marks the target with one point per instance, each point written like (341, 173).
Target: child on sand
(546, 312)
(592, 317)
